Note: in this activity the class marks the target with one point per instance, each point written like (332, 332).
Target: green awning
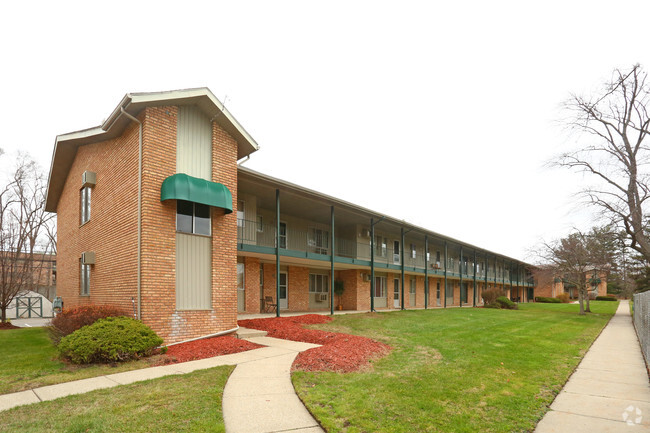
(180, 186)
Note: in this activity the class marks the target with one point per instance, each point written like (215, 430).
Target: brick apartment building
(155, 214)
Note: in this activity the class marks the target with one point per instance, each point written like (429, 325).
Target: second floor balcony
(315, 243)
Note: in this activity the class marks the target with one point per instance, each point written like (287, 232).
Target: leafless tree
(23, 240)
(576, 259)
(613, 151)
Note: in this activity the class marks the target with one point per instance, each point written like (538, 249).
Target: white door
(283, 291)
(396, 293)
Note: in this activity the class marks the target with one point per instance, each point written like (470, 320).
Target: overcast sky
(439, 113)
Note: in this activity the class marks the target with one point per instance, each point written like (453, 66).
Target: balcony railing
(317, 241)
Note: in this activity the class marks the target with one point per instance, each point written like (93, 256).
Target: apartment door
(396, 252)
(396, 293)
(283, 291)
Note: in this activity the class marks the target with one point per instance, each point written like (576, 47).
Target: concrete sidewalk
(609, 391)
(259, 395)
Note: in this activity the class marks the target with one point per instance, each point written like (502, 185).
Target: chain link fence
(642, 321)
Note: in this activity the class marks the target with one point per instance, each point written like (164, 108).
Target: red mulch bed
(206, 348)
(339, 352)
(8, 326)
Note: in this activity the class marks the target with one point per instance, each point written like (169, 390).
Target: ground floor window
(380, 287)
(412, 288)
(318, 283)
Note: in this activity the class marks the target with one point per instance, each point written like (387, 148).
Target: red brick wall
(159, 235)
(351, 279)
(252, 284)
(298, 288)
(111, 232)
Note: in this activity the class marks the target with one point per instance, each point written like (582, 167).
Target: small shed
(29, 304)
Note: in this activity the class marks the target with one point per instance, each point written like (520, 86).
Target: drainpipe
(139, 211)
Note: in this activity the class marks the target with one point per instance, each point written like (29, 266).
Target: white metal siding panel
(194, 143)
(193, 276)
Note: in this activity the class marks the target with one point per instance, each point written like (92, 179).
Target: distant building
(155, 214)
(596, 286)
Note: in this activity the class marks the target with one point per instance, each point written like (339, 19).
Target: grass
(179, 403)
(29, 360)
(455, 370)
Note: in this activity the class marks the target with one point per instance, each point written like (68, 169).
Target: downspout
(139, 209)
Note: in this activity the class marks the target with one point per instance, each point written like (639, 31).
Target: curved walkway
(609, 391)
(258, 397)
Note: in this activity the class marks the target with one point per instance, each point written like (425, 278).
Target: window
(85, 204)
(283, 235)
(318, 240)
(413, 251)
(85, 279)
(396, 252)
(318, 283)
(412, 287)
(438, 258)
(438, 291)
(380, 287)
(260, 224)
(381, 246)
(192, 217)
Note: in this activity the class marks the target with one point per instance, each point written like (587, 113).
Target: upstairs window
(85, 204)
(192, 218)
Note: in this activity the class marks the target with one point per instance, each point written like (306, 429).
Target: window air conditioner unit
(365, 233)
(88, 178)
(366, 277)
(321, 297)
(88, 258)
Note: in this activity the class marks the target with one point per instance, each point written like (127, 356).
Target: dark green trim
(460, 266)
(446, 260)
(372, 264)
(277, 253)
(181, 186)
(474, 292)
(402, 258)
(332, 263)
(426, 272)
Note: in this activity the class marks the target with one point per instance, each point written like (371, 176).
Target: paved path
(259, 396)
(609, 391)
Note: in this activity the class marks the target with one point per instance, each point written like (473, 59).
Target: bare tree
(612, 127)
(23, 241)
(576, 258)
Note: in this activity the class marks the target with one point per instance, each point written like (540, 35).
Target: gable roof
(65, 145)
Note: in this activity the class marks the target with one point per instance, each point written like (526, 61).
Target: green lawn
(29, 360)
(178, 403)
(455, 370)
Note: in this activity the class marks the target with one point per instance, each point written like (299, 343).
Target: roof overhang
(65, 145)
(300, 191)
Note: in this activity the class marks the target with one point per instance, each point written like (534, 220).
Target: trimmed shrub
(506, 303)
(69, 320)
(545, 300)
(109, 340)
(564, 298)
(491, 295)
(606, 298)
